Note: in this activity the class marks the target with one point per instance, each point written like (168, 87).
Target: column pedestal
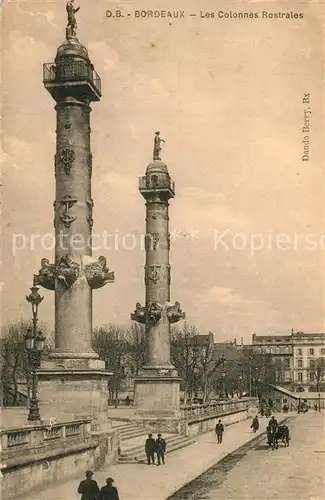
(72, 389)
(157, 399)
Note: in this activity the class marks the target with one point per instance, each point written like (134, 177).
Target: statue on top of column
(157, 147)
(71, 30)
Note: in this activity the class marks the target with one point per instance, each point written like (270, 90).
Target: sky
(227, 96)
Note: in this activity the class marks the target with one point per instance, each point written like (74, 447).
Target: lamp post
(223, 375)
(250, 376)
(319, 402)
(34, 343)
(240, 381)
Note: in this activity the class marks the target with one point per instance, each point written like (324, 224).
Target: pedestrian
(273, 424)
(219, 430)
(150, 448)
(160, 449)
(88, 488)
(255, 424)
(108, 492)
(127, 401)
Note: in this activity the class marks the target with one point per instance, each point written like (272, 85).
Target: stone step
(135, 444)
(139, 442)
(125, 428)
(137, 455)
(132, 433)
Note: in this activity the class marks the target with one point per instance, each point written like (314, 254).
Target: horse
(276, 434)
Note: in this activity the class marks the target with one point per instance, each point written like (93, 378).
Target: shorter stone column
(157, 388)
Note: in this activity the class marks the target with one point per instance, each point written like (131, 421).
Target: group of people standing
(89, 489)
(155, 446)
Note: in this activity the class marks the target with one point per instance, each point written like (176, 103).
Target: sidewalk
(143, 482)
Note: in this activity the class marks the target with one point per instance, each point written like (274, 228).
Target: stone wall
(230, 413)
(202, 426)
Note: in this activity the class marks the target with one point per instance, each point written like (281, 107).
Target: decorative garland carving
(90, 163)
(67, 158)
(174, 313)
(54, 208)
(169, 274)
(98, 274)
(168, 241)
(89, 218)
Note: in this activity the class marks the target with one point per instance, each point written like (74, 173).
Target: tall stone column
(73, 382)
(157, 388)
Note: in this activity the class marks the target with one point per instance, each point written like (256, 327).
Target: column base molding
(157, 401)
(73, 389)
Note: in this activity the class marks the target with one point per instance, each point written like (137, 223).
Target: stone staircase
(132, 440)
(129, 431)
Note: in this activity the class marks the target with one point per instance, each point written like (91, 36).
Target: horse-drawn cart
(276, 434)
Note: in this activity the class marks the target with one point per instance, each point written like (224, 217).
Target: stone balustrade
(38, 454)
(194, 413)
(32, 438)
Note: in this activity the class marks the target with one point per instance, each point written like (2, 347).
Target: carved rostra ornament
(67, 157)
(152, 273)
(174, 313)
(60, 275)
(139, 314)
(151, 241)
(152, 312)
(98, 274)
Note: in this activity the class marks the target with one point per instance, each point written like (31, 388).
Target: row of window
(311, 376)
(312, 363)
(311, 351)
(310, 389)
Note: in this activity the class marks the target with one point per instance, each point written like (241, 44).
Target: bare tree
(317, 372)
(110, 343)
(136, 339)
(15, 369)
(185, 356)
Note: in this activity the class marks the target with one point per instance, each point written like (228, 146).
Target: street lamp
(34, 343)
(319, 402)
(240, 382)
(223, 375)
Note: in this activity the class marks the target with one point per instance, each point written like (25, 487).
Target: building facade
(299, 359)
(308, 362)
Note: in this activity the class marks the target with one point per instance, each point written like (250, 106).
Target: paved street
(257, 473)
(141, 482)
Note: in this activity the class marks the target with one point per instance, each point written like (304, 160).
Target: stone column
(73, 383)
(73, 228)
(157, 388)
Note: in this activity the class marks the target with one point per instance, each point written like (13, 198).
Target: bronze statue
(71, 30)
(157, 147)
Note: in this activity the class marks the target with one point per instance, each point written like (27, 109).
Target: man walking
(108, 492)
(150, 448)
(88, 488)
(219, 430)
(160, 449)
